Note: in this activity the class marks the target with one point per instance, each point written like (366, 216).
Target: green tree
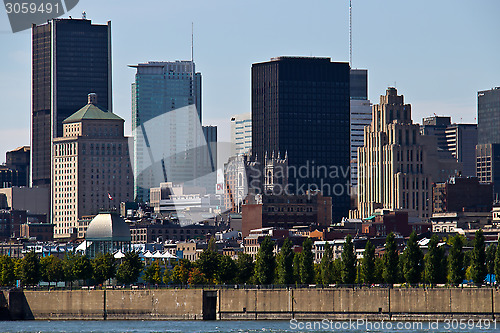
(196, 277)
(412, 263)
(130, 269)
(456, 271)
(378, 276)
(391, 260)
(497, 265)
(29, 269)
(478, 264)
(51, 269)
(265, 262)
(296, 267)
(326, 265)
(7, 271)
(153, 273)
(180, 272)
(209, 260)
(82, 268)
(245, 268)
(348, 262)
(68, 262)
(284, 263)
(490, 258)
(167, 277)
(103, 268)
(227, 270)
(368, 264)
(433, 262)
(307, 263)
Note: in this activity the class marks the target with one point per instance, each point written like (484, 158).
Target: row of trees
(31, 269)
(285, 268)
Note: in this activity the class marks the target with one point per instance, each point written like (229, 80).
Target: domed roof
(108, 226)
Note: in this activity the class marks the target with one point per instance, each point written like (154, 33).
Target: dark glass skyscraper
(300, 106)
(70, 59)
(488, 116)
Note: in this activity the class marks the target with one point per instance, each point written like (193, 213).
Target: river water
(245, 326)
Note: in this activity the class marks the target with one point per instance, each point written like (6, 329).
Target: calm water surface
(208, 327)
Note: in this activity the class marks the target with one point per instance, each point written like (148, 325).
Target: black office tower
(488, 116)
(300, 106)
(70, 59)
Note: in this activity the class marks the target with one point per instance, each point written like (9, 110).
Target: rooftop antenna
(84, 15)
(350, 33)
(192, 41)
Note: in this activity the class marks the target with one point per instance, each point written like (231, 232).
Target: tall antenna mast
(350, 33)
(192, 41)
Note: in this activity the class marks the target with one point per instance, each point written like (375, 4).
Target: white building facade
(241, 133)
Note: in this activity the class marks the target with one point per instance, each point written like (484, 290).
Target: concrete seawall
(251, 304)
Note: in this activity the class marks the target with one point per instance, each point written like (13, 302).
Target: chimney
(92, 98)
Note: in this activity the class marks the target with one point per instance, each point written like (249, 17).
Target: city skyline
(438, 62)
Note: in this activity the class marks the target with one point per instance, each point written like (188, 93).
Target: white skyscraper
(361, 116)
(241, 133)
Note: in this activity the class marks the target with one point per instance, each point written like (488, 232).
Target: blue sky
(438, 53)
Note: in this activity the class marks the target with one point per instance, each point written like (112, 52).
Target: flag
(109, 196)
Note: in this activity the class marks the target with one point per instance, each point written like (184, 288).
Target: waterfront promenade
(252, 304)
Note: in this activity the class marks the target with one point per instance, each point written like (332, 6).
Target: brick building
(462, 195)
(285, 211)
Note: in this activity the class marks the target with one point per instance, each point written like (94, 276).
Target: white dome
(108, 227)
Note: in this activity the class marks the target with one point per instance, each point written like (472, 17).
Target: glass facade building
(170, 144)
(70, 59)
(300, 106)
(488, 116)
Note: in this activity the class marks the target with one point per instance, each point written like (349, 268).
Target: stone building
(397, 165)
(91, 167)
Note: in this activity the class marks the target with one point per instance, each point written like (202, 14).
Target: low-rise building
(189, 250)
(41, 232)
(161, 232)
(449, 222)
(14, 250)
(285, 211)
(384, 222)
(319, 249)
(462, 195)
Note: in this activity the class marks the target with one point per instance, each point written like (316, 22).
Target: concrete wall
(372, 303)
(64, 305)
(4, 305)
(251, 304)
(154, 304)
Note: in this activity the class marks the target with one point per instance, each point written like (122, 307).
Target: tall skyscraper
(241, 133)
(488, 116)
(436, 126)
(169, 141)
(458, 139)
(70, 59)
(488, 137)
(461, 140)
(397, 164)
(300, 106)
(361, 116)
(92, 169)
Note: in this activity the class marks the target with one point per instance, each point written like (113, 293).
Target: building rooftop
(91, 111)
(108, 226)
